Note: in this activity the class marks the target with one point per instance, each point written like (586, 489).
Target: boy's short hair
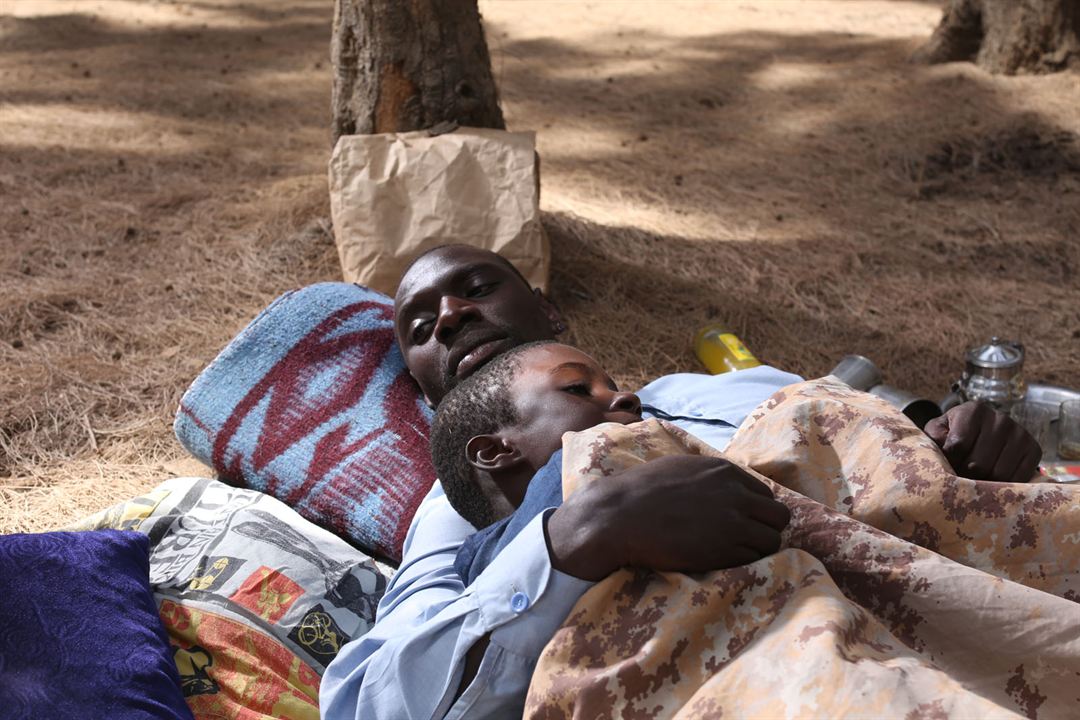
(480, 405)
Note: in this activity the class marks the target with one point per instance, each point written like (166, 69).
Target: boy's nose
(626, 402)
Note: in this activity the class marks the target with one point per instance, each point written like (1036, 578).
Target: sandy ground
(777, 165)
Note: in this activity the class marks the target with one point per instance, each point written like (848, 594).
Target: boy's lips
(475, 358)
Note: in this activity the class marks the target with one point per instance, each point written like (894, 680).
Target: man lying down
(439, 649)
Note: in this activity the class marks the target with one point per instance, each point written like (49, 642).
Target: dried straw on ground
(775, 165)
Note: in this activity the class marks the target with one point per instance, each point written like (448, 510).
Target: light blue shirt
(409, 665)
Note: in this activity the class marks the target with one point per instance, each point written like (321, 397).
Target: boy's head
(496, 429)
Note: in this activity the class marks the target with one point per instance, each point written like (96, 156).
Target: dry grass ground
(775, 164)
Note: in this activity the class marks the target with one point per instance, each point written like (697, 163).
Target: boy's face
(560, 389)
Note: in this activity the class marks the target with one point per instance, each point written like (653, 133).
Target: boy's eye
(577, 389)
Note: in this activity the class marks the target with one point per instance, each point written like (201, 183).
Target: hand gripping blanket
(901, 590)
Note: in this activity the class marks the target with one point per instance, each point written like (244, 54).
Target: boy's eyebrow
(571, 366)
(587, 369)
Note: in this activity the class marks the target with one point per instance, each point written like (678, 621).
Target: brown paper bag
(393, 196)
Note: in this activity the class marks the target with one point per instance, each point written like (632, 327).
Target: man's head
(457, 307)
(498, 427)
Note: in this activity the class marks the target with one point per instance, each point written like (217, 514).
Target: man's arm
(978, 441)
(683, 513)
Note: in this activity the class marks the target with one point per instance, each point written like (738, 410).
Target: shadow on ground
(812, 190)
(827, 196)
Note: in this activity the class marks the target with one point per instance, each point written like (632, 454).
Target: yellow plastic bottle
(721, 351)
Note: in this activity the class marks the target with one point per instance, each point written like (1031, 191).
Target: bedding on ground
(312, 404)
(79, 631)
(256, 600)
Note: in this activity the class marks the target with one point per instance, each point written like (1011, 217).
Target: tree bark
(1007, 36)
(402, 65)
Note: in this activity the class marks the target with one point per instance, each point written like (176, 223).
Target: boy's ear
(492, 453)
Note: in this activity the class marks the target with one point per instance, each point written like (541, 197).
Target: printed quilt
(256, 600)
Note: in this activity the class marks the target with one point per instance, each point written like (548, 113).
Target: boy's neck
(506, 488)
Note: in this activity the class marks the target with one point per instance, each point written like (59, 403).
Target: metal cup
(858, 372)
(919, 410)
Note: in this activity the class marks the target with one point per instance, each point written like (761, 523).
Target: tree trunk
(402, 65)
(1007, 36)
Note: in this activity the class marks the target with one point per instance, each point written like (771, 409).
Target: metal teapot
(993, 373)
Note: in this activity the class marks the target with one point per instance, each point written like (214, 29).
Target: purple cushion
(80, 635)
(311, 403)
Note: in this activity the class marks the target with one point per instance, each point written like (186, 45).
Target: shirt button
(519, 602)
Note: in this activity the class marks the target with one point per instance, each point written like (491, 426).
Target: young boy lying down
(496, 440)
(901, 590)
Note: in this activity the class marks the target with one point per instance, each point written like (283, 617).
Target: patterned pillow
(255, 599)
(312, 403)
(79, 632)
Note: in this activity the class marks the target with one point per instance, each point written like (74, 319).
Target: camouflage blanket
(901, 590)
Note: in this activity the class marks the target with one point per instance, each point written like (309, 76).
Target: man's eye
(480, 290)
(420, 332)
(577, 389)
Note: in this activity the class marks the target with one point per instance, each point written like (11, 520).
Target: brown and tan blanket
(902, 590)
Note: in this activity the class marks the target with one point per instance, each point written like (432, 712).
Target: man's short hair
(481, 405)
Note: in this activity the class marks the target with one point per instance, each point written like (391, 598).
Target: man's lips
(477, 356)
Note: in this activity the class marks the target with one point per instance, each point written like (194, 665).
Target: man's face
(458, 307)
(559, 389)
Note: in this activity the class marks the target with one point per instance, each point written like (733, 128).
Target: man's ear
(492, 454)
(553, 315)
